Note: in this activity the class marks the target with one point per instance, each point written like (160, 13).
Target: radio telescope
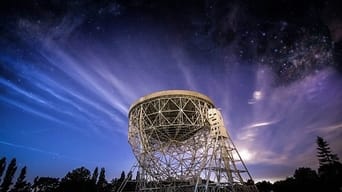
(181, 144)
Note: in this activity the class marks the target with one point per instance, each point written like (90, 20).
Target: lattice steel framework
(178, 148)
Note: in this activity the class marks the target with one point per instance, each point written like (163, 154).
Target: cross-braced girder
(181, 146)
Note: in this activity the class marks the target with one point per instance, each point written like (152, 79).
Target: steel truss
(176, 149)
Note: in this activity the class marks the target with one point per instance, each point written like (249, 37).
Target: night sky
(69, 71)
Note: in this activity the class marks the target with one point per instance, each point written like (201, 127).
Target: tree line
(327, 178)
(79, 179)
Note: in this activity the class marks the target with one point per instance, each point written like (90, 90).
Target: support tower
(181, 144)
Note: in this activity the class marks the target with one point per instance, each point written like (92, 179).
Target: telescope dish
(181, 144)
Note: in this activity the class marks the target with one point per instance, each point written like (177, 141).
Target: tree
(306, 179)
(304, 173)
(285, 185)
(325, 156)
(21, 185)
(102, 182)
(7, 181)
(77, 180)
(122, 177)
(79, 174)
(113, 186)
(330, 169)
(45, 184)
(130, 175)
(2, 166)
(95, 175)
(264, 186)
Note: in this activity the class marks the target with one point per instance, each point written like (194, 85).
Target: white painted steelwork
(181, 144)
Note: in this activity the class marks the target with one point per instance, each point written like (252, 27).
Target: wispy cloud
(90, 86)
(50, 153)
(326, 129)
(30, 109)
(261, 124)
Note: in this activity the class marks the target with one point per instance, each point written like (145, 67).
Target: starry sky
(69, 71)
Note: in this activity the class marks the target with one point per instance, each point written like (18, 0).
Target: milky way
(69, 73)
